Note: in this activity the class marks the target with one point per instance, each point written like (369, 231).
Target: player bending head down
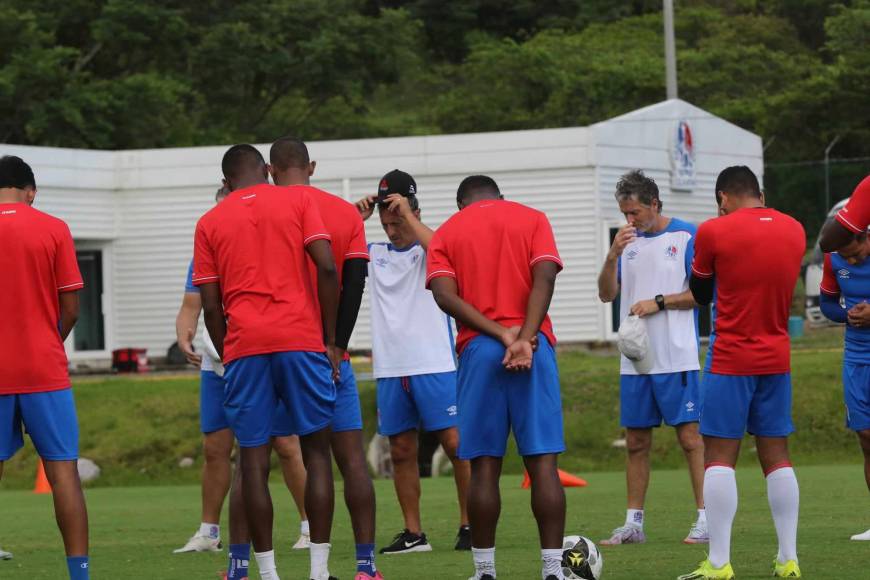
(492, 266)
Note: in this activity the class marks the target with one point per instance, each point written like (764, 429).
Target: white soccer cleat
(865, 537)
(199, 543)
(303, 543)
(698, 534)
(5, 555)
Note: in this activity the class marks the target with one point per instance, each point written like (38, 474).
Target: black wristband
(660, 301)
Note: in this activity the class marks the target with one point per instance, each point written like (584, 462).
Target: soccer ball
(581, 559)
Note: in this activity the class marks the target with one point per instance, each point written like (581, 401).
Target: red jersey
(855, 216)
(253, 244)
(38, 261)
(489, 248)
(754, 256)
(345, 227)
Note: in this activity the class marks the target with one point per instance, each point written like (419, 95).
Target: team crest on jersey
(414, 258)
(671, 252)
(843, 273)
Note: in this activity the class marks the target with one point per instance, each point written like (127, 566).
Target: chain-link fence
(798, 189)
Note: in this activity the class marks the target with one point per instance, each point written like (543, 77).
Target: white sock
(484, 561)
(702, 516)
(634, 518)
(319, 561)
(784, 499)
(720, 497)
(212, 531)
(552, 563)
(266, 565)
(304, 529)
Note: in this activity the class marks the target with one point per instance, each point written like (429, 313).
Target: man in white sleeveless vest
(648, 268)
(413, 357)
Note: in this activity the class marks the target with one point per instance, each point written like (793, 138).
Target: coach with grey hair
(648, 268)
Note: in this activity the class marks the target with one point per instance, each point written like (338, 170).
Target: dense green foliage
(155, 73)
(135, 529)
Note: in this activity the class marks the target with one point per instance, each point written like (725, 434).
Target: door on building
(704, 317)
(89, 333)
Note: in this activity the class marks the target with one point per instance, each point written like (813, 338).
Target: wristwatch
(660, 301)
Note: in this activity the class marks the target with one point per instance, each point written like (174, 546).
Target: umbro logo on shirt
(382, 262)
(632, 254)
(843, 273)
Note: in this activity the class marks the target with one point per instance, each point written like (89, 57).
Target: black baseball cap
(396, 182)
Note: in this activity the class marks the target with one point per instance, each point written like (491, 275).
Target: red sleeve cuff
(846, 223)
(316, 237)
(71, 287)
(701, 274)
(828, 291)
(547, 258)
(352, 255)
(204, 279)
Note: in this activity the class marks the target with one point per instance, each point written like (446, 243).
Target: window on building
(89, 331)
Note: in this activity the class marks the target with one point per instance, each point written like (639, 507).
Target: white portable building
(132, 213)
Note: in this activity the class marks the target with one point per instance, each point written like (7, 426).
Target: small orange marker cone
(565, 478)
(42, 485)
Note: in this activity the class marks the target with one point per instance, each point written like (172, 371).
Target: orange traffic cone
(42, 485)
(565, 478)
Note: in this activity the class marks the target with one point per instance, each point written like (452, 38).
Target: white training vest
(660, 264)
(410, 334)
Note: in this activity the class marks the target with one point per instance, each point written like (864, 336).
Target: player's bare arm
(366, 206)
(835, 236)
(327, 294)
(213, 314)
(69, 312)
(518, 356)
(682, 301)
(398, 204)
(185, 326)
(446, 294)
(608, 285)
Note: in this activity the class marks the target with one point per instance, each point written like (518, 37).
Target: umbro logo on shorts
(690, 406)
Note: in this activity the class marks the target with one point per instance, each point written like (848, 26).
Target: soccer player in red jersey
(251, 264)
(747, 262)
(492, 266)
(290, 165)
(40, 305)
(852, 219)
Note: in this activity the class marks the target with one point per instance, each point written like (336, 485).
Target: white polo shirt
(655, 264)
(410, 334)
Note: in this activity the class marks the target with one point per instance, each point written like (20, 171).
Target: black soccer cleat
(463, 539)
(405, 542)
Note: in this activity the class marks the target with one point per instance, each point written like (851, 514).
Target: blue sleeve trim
(188, 284)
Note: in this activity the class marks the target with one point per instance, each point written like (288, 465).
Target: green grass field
(135, 529)
(144, 505)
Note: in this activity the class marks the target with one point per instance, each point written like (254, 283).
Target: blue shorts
(347, 415)
(856, 391)
(758, 404)
(644, 400)
(426, 402)
(212, 390)
(50, 420)
(492, 401)
(255, 384)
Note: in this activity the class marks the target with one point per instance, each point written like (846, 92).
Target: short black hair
(241, 158)
(287, 152)
(737, 180)
(14, 172)
(476, 184)
(635, 184)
